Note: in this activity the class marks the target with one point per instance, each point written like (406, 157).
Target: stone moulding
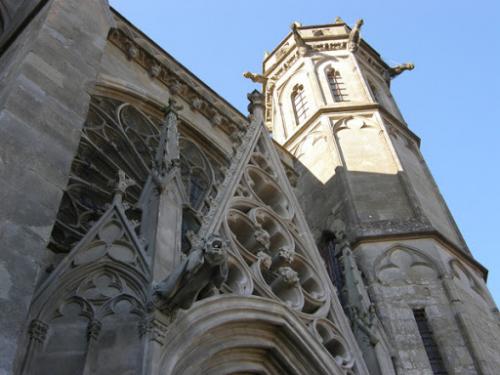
(222, 314)
(200, 99)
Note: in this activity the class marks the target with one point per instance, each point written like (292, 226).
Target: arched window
(336, 84)
(299, 103)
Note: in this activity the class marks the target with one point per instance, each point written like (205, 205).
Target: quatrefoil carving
(267, 246)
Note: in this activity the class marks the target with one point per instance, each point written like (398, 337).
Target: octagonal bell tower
(416, 297)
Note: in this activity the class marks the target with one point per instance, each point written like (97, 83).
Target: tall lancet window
(430, 345)
(374, 91)
(336, 84)
(299, 103)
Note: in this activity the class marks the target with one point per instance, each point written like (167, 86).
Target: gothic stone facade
(148, 227)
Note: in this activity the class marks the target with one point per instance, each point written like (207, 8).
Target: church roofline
(177, 64)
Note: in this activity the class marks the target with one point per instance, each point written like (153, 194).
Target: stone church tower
(406, 278)
(149, 227)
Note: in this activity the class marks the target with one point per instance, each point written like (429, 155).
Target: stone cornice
(179, 80)
(320, 43)
(435, 235)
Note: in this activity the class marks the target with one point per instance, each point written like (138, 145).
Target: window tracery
(197, 174)
(116, 136)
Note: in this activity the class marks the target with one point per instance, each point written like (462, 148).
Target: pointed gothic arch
(244, 335)
(402, 264)
(284, 97)
(468, 281)
(96, 294)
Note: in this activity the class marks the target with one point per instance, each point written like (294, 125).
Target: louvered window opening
(333, 267)
(337, 86)
(300, 105)
(430, 344)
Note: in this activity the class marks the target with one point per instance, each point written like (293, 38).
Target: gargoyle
(398, 69)
(302, 47)
(203, 272)
(354, 36)
(254, 77)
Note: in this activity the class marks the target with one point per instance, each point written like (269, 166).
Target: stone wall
(421, 274)
(44, 101)
(14, 14)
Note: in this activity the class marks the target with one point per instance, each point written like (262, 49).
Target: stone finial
(302, 47)
(256, 106)
(398, 69)
(339, 20)
(254, 77)
(354, 36)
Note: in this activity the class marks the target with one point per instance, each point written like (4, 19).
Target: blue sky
(451, 100)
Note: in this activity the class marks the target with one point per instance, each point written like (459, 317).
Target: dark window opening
(300, 105)
(430, 344)
(332, 262)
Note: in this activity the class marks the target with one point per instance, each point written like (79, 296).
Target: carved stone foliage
(403, 266)
(116, 136)
(163, 68)
(260, 227)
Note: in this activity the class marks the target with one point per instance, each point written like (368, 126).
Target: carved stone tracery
(115, 137)
(261, 229)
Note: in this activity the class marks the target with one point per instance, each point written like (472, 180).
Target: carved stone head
(286, 255)
(263, 238)
(215, 251)
(288, 276)
(265, 260)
